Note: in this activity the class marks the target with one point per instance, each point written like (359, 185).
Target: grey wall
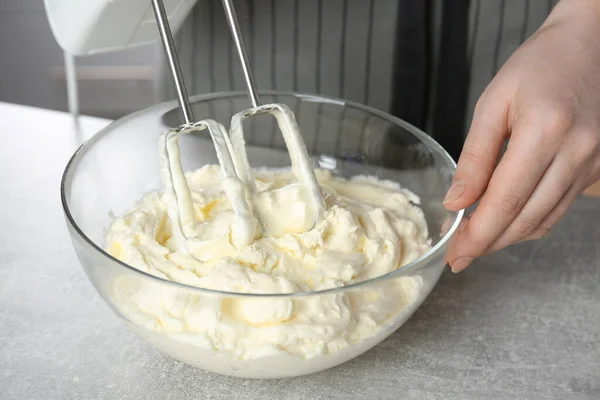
(118, 83)
(496, 29)
(31, 67)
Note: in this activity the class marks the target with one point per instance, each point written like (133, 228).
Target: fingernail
(456, 190)
(461, 263)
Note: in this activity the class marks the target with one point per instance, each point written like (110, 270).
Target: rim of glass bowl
(170, 105)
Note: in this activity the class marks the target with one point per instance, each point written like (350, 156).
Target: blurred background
(115, 84)
(32, 68)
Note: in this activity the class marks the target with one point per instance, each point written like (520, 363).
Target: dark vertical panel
(318, 45)
(435, 38)
(211, 46)
(285, 44)
(342, 74)
(318, 72)
(342, 82)
(233, 60)
(296, 44)
(273, 45)
(411, 69)
(221, 49)
(452, 78)
(525, 25)
(201, 41)
(499, 37)
(262, 48)
(473, 39)
(194, 47)
(331, 40)
(381, 86)
(273, 38)
(357, 50)
(307, 38)
(369, 53)
(411, 62)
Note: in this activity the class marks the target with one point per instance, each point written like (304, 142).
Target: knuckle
(510, 204)
(540, 233)
(524, 226)
(547, 125)
(553, 113)
(472, 155)
(558, 120)
(481, 102)
(476, 242)
(488, 101)
(561, 210)
(589, 145)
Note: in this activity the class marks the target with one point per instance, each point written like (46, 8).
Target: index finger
(510, 187)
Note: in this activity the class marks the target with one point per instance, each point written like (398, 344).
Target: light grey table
(521, 324)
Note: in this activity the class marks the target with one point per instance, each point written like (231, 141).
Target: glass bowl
(213, 330)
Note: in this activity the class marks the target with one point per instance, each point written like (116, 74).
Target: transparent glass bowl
(110, 172)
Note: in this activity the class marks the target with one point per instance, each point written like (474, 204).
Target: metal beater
(239, 184)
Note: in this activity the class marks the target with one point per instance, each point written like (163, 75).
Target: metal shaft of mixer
(240, 46)
(166, 37)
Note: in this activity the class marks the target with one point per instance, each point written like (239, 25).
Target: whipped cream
(368, 228)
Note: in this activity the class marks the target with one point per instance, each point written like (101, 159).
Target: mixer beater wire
(239, 184)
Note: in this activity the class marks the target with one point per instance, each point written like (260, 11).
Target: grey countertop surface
(520, 324)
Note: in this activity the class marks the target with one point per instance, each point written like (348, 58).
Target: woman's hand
(546, 101)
